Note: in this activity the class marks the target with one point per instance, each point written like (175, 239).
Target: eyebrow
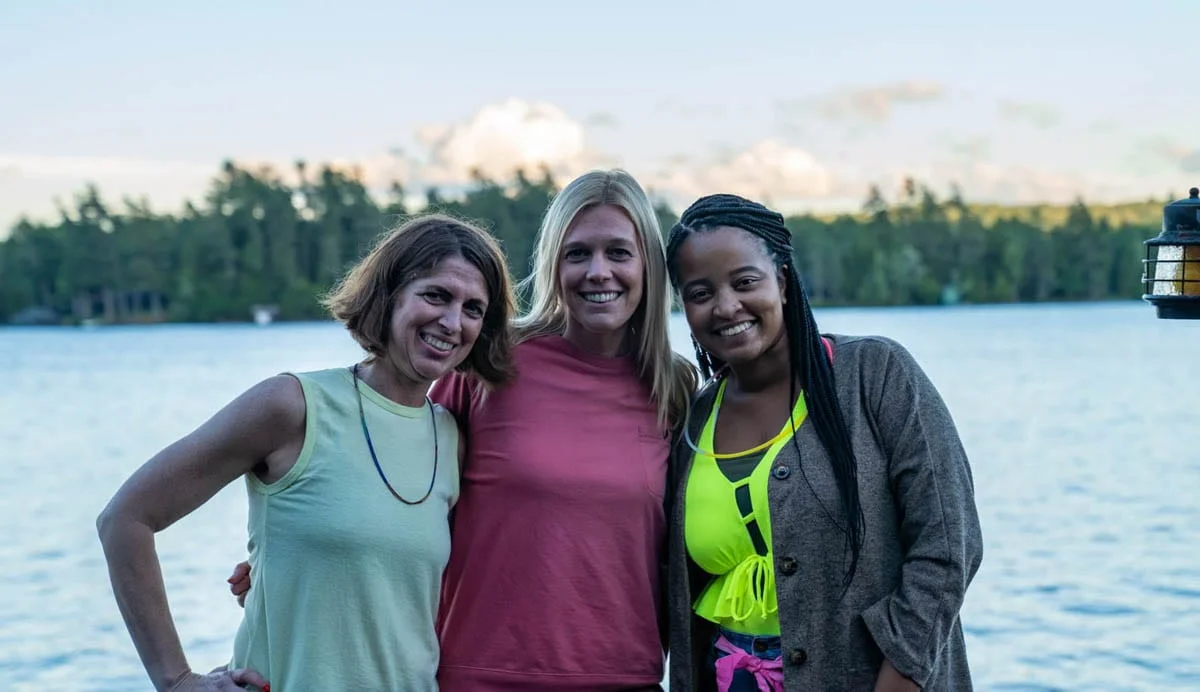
(605, 240)
(437, 286)
(732, 272)
(747, 268)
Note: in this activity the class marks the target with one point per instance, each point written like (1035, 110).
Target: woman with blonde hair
(351, 473)
(556, 566)
(558, 557)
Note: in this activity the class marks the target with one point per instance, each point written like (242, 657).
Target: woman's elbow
(976, 559)
(107, 523)
(972, 552)
(115, 522)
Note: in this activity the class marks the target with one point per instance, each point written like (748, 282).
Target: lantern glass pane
(1177, 271)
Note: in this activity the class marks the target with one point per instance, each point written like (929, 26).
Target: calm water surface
(1081, 422)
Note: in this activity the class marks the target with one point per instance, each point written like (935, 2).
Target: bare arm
(240, 581)
(265, 425)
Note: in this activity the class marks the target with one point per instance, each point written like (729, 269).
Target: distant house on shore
(35, 316)
(119, 307)
(99, 306)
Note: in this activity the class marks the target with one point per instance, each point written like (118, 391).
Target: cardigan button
(787, 566)
(797, 657)
(781, 472)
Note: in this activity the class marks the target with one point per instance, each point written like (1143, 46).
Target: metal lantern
(1171, 270)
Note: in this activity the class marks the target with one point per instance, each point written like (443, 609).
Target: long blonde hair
(671, 377)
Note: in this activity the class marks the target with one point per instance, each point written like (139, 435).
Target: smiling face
(436, 319)
(601, 277)
(732, 294)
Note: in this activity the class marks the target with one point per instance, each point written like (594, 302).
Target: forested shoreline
(256, 240)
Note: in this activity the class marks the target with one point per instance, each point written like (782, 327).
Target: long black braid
(808, 359)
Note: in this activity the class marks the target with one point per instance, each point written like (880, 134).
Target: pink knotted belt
(768, 673)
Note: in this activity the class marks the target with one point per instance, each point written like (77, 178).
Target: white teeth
(600, 297)
(735, 329)
(437, 343)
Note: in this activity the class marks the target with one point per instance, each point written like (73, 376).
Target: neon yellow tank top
(742, 596)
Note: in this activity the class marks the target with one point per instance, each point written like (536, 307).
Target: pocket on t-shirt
(654, 447)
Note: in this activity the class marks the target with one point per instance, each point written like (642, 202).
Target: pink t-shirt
(553, 579)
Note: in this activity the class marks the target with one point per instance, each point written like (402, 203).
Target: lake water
(1082, 424)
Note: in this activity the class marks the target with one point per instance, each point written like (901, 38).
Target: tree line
(258, 241)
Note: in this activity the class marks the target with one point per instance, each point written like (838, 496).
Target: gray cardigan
(921, 549)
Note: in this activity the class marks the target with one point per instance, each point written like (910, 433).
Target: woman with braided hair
(825, 529)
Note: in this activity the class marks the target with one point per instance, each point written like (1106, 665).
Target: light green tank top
(742, 596)
(345, 577)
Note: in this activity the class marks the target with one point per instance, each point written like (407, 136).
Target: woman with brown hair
(351, 474)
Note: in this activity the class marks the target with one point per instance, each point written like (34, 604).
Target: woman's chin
(737, 357)
(434, 371)
(605, 325)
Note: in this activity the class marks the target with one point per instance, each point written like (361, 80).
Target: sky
(801, 105)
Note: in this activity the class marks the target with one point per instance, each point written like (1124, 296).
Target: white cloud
(377, 171)
(497, 140)
(1187, 158)
(502, 138)
(768, 171)
(30, 184)
(793, 181)
(873, 104)
(984, 181)
(506, 135)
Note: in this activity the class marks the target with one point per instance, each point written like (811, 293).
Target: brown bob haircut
(364, 298)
